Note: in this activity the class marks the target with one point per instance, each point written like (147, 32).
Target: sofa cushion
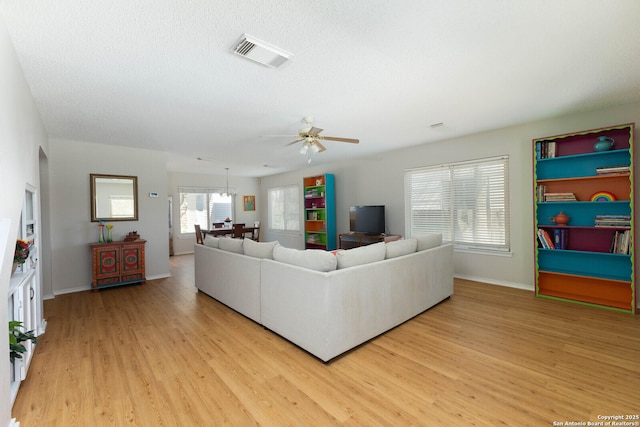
(259, 249)
(212, 242)
(361, 255)
(313, 259)
(429, 241)
(401, 247)
(231, 245)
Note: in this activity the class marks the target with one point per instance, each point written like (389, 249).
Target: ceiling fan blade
(320, 146)
(297, 140)
(314, 131)
(335, 138)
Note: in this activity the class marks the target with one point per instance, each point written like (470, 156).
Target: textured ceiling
(159, 74)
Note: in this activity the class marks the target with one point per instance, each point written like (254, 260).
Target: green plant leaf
(17, 336)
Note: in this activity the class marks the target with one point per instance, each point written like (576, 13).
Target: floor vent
(261, 52)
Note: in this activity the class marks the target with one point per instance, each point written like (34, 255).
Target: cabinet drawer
(132, 277)
(105, 281)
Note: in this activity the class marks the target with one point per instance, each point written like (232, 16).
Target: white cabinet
(25, 298)
(22, 292)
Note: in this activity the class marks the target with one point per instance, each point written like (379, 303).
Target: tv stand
(354, 240)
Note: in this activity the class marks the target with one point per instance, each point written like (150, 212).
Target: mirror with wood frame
(114, 198)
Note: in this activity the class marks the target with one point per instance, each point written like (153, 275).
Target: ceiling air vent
(262, 52)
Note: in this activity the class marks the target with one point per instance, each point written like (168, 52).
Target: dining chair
(238, 231)
(218, 224)
(255, 234)
(199, 239)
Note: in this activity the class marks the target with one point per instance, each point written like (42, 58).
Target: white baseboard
(159, 276)
(183, 253)
(72, 290)
(88, 288)
(42, 328)
(497, 282)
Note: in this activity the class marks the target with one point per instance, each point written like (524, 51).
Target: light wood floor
(164, 354)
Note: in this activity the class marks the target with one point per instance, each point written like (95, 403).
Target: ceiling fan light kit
(310, 138)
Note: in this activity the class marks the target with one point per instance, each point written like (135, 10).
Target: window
(467, 202)
(284, 208)
(203, 206)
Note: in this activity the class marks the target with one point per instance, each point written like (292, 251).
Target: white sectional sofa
(357, 294)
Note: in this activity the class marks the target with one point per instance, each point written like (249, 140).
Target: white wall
(241, 185)
(70, 164)
(22, 135)
(379, 180)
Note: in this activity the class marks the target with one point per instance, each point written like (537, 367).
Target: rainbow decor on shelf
(602, 196)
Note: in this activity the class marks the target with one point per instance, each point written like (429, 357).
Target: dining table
(223, 231)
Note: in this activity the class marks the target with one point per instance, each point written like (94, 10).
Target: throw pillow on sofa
(212, 242)
(361, 255)
(401, 247)
(313, 259)
(259, 249)
(429, 241)
(231, 245)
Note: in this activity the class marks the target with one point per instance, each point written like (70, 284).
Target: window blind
(284, 208)
(203, 206)
(467, 202)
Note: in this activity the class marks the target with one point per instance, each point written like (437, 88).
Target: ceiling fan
(310, 138)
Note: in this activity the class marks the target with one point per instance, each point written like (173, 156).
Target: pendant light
(227, 193)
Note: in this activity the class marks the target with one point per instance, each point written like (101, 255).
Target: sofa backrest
(324, 261)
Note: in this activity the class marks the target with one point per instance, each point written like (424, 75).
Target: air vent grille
(244, 47)
(261, 52)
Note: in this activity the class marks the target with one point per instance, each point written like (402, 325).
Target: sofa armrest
(231, 278)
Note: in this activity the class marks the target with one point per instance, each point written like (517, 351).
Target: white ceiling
(159, 74)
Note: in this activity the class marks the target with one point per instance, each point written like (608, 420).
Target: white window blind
(284, 208)
(467, 202)
(220, 207)
(203, 206)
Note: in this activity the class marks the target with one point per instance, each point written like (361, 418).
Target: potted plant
(16, 338)
(21, 254)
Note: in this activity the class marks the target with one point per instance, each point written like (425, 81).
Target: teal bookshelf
(320, 212)
(592, 183)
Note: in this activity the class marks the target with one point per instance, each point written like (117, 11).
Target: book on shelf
(559, 197)
(545, 149)
(613, 170)
(540, 191)
(613, 221)
(541, 239)
(545, 239)
(313, 193)
(560, 238)
(620, 242)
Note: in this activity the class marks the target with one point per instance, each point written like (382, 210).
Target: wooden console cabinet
(118, 263)
(354, 240)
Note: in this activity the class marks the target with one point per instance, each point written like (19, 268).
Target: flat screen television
(367, 219)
